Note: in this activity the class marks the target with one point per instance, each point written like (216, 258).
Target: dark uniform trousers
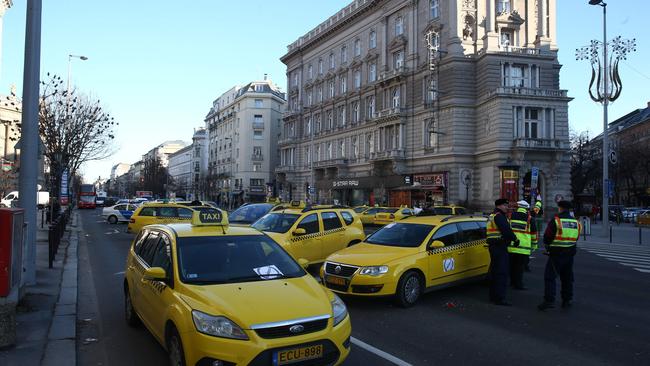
(517, 265)
(560, 263)
(499, 268)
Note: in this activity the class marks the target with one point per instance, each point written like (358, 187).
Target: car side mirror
(303, 262)
(155, 274)
(437, 244)
(299, 231)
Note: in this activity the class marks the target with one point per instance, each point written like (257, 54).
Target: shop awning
(420, 188)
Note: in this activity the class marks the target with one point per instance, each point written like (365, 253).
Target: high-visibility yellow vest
(567, 232)
(492, 228)
(523, 233)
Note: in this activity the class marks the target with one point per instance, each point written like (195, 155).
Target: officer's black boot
(545, 305)
(566, 304)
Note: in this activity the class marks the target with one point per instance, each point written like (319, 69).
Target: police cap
(565, 205)
(501, 201)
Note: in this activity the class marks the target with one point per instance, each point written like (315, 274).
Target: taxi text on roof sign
(208, 216)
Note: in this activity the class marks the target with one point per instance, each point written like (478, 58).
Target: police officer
(525, 230)
(499, 236)
(537, 214)
(560, 239)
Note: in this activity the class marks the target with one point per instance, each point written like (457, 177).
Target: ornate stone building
(404, 102)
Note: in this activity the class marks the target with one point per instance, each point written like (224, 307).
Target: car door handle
(461, 252)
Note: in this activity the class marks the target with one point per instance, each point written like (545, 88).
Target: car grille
(345, 271)
(284, 331)
(340, 288)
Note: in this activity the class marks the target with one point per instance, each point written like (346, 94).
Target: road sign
(534, 177)
(610, 188)
(613, 158)
(64, 188)
(312, 190)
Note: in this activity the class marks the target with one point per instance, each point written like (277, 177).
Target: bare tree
(74, 128)
(585, 167)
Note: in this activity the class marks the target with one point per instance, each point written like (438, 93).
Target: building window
(259, 103)
(399, 26)
(310, 71)
(344, 84)
(330, 153)
(531, 123)
(357, 47)
(309, 97)
(308, 126)
(320, 66)
(308, 155)
(332, 63)
(355, 148)
(318, 124)
(331, 89)
(370, 107)
(396, 97)
(398, 59)
(258, 119)
(520, 76)
(434, 4)
(295, 79)
(341, 116)
(357, 79)
(355, 112)
(257, 167)
(344, 54)
(507, 38)
(372, 39)
(257, 135)
(317, 154)
(257, 151)
(342, 147)
(370, 144)
(330, 120)
(372, 72)
(257, 182)
(430, 89)
(320, 94)
(503, 6)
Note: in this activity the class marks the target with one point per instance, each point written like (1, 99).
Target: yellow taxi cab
(386, 215)
(443, 210)
(312, 233)
(217, 295)
(160, 213)
(247, 214)
(368, 215)
(360, 209)
(406, 258)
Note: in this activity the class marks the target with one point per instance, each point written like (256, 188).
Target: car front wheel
(129, 312)
(112, 219)
(175, 349)
(409, 289)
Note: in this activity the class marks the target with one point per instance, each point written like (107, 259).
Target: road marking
(118, 273)
(378, 352)
(634, 256)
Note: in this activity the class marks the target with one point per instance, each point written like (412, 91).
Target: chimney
(265, 75)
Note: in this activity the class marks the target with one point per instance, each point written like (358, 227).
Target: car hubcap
(412, 289)
(174, 351)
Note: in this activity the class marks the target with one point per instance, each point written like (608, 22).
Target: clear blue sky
(158, 65)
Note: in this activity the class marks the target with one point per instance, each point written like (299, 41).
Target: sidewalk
(624, 233)
(46, 316)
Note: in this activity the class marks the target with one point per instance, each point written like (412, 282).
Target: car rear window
(444, 211)
(400, 235)
(147, 211)
(250, 213)
(276, 222)
(347, 217)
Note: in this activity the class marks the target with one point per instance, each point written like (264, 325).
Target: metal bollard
(610, 233)
(640, 239)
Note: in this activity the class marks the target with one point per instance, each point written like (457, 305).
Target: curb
(61, 339)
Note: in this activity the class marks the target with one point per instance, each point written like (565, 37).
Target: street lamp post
(607, 89)
(67, 95)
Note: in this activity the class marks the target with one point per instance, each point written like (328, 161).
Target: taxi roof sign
(209, 216)
(298, 204)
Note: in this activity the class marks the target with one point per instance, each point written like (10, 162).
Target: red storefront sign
(436, 179)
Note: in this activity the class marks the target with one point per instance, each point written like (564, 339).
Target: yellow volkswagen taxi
(160, 213)
(386, 215)
(408, 257)
(312, 233)
(218, 295)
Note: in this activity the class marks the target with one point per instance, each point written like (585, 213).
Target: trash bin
(586, 225)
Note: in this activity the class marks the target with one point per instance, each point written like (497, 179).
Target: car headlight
(374, 270)
(217, 326)
(338, 309)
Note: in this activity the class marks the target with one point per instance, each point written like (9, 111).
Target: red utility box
(11, 248)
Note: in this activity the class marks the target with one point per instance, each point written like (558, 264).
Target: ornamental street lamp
(607, 88)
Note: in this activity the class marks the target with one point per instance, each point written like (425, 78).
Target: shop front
(362, 190)
(256, 194)
(430, 189)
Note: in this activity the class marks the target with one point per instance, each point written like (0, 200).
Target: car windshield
(360, 209)
(444, 211)
(400, 235)
(387, 210)
(206, 260)
(250, 213)
(276, 222)
(87, 199)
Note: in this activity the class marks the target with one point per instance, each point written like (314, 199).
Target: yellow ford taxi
(218, 295)
(386, 215)
(368, 215)
(312, 233)
(159, 213)
(406, 258)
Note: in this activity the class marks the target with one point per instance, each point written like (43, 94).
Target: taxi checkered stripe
(314, 235)
(454, 247)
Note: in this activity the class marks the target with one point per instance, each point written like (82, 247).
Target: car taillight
(132, 221)
(392, 216)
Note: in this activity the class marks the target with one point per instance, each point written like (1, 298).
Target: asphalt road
(607, 325)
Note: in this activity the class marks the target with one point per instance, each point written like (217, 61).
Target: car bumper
(260, 351)
(382, 221)
(362, 285)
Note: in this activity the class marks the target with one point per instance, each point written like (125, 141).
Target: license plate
(335, 280)
(290, 356)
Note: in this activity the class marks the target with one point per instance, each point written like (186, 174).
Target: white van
(42, 199)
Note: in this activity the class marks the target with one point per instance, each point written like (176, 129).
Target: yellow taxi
(159, 213)
(368, 215)
(247, 214)
(312, 233)
(386, 215)
(406, 258)
(443, 210)
(218, 295)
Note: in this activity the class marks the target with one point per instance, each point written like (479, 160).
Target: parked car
(643, 217)
(118, 213)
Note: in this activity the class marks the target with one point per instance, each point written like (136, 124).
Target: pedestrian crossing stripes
(635, 256)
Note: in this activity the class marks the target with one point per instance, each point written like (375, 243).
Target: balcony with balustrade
(541, 144)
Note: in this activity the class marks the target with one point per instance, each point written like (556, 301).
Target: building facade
(426, 102)
(243, 127)
(180, 172)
